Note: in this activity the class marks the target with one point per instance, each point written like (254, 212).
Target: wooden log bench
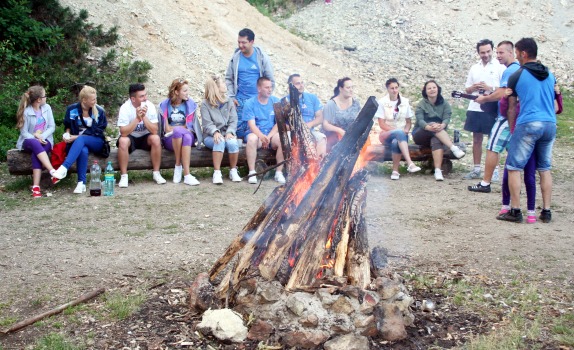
(20, 163)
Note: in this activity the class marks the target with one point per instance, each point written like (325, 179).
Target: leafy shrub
(42, 42)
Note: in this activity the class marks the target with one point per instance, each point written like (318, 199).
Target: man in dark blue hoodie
(535, 130)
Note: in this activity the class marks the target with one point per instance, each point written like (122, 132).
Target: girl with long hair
(35, 121)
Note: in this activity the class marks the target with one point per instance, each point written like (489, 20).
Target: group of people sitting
(175, 125)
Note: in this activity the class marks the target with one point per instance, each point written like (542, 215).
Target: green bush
(42, 42)
(281, 8)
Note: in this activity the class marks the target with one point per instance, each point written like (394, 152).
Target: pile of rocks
(336, 315)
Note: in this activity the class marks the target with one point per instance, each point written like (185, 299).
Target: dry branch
(54, 311)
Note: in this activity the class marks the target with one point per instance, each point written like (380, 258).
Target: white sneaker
(252, 179)
(457, 151)
(177, 173)
(123, 181)
(80, 188)
(438, 175)
(495, 175)
(158, 178)
(395, 175)
(217, 178)
(60, 173)
(279, 177)
(413, 168)
(191, 180)
(234, 175)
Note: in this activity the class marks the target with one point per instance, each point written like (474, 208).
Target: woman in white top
(394, 116)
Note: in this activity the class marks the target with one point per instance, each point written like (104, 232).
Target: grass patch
(55, 341)
(122, 306)
(565, 121)
(563, 330)
(8, 321)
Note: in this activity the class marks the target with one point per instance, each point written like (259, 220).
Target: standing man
(483, 78)
(248, 64)
(500, 134)
(311, 111)
(260, 118)
(535, 130)
(138, 124)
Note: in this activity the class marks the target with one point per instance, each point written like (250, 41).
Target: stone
(342, 306)
(342, 324)
(390, 322)
(370, 300)
(249, 285)
(305, 339)
(260, 330)
(363, 321)
(224, 324)
(300, 302)
(347, 342)
(202, 294)
(387, 288)
(309, 321)
(326, 296)
(271, 292)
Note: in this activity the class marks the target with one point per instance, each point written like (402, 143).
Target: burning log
(295, 224)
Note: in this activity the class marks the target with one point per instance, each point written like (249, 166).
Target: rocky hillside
(369, 40)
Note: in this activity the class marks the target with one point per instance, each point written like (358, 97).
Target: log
(20, 163)
(52, 312)
(418, 154)
(358, 268)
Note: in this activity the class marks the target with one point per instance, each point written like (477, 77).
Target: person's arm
(558, 106)
(318, 120)
(494, 97)
(230, 81)
(408, 125)
(231, 131)
(511, 112)
(24, 129)
(149, 118)
(50, 124)
(254, 129)
(209, 126)
(420, 117)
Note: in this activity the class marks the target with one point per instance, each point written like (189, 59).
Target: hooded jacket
(191, 120)
(265, 70)
(27, 130)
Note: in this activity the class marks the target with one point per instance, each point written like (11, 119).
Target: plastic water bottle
(95, 179)
(456, 138)
(109, 180)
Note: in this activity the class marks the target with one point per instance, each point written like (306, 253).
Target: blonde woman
(181, 127)
(219, 119)
(85, 123)
(35, 121)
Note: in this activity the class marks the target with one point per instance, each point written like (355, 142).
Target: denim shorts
(231, 145)
(528, 138)
(499, 136)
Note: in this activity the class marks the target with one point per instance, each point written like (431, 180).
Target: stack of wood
(311, 230)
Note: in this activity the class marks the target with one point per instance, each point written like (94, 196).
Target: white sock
(477, 168)
(482, 183)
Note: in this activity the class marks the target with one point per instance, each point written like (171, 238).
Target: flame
(364, 157)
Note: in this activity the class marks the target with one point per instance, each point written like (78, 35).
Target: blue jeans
(392, 138)
(528, 138)
(79, 151)
(231, 145)
(242, 127)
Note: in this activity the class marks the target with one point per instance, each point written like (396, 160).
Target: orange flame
(364, 157)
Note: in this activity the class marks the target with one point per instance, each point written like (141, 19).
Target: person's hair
(439, 98)
(85, 93)
(175, 86)
(30, 96)
(506, 42)
(340, 84)
(389, 82)
(527, 45)
(248, 33)
(261, 80)
(135, 88)
(484, 42)
(294, 75)
(212, 94)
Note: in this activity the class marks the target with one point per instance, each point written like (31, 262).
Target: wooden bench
(19, 163)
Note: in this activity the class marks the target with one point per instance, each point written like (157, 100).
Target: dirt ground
(157, 238)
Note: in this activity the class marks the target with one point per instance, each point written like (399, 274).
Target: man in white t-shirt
(138, 125)
(483, 79)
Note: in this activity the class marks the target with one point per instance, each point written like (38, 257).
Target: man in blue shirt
(499, 136)
(535, 130)
(311, 111)
(260, 118)
(248, 64)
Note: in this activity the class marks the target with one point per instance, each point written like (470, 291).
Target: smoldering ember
(302, 266)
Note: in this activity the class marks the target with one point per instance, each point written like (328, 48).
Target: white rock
(224, 324)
